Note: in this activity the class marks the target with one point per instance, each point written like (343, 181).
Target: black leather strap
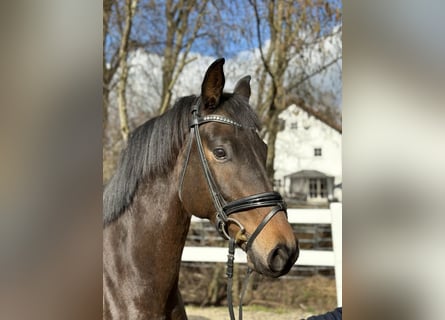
(266, 199)
(263, 223)
(218, 200)
(185, 165)
(229, 274)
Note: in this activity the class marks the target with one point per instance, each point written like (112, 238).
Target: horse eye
(219, 153)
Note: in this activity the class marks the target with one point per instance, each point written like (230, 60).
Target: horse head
(224, 177)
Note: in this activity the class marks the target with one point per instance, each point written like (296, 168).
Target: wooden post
(336, 211)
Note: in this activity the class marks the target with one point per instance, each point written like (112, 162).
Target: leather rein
(223, 208)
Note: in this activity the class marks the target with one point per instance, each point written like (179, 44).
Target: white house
(308, 158)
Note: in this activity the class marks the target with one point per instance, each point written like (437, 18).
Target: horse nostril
(278, 259)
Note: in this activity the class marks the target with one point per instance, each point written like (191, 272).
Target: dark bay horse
(203, 157)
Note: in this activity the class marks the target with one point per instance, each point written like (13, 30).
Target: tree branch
(321, 69)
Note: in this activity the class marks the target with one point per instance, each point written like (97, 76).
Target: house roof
(293, 99)
(307, 174)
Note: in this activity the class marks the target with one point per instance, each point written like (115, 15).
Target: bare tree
(117, 25)
(181, 32)
(166, 28)
(130, 10)
(118, 18)
(108, 69)
(294, 27)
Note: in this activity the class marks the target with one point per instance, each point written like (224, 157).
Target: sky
(149, 24)
(232, 45)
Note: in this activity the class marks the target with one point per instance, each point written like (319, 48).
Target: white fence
(332, 216)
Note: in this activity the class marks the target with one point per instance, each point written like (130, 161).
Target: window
(317, 152)
(294, 125)
(318, 188)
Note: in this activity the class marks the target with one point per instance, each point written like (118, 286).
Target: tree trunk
(122, 102)
(272, 131)
(130, 9)
(107, 8)
(105, 102)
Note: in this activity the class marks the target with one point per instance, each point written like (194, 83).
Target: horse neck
(147, 240)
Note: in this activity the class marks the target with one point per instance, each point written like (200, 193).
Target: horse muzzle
(266, 258)
(275, 262)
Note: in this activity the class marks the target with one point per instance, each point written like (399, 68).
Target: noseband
(223, 208)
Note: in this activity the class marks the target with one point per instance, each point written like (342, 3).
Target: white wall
(295, 147)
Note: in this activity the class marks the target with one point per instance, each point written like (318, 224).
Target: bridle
(223, 208)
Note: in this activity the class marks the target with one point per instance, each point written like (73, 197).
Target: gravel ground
(249, 313)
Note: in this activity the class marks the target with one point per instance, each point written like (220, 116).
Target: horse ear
(213, 84)
(243, 87)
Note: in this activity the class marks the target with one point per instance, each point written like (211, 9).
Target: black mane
(153, 148)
